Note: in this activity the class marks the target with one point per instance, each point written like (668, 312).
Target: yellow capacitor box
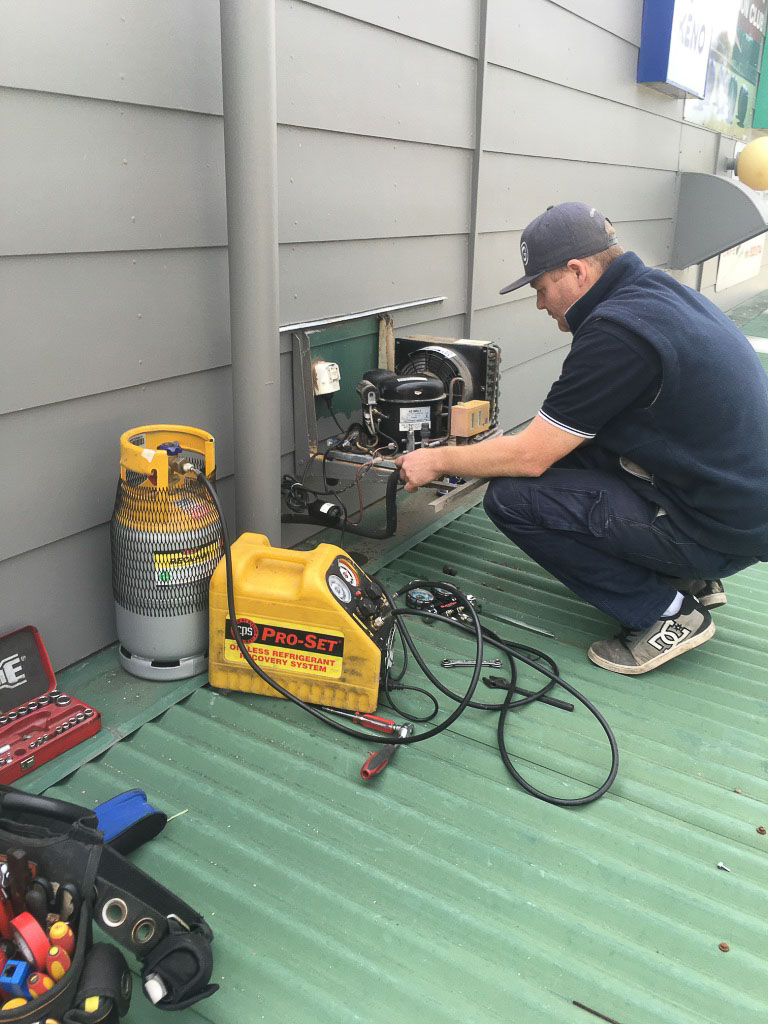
(312, 620)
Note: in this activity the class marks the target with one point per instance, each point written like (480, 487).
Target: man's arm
(528, 453)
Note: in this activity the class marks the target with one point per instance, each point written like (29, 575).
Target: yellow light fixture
(751, 165)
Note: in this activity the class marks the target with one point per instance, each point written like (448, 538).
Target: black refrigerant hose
(474, 627)
(380, 533)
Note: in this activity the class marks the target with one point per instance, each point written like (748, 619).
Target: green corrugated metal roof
(440, 892)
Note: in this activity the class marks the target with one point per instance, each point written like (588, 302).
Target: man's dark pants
(582, 522)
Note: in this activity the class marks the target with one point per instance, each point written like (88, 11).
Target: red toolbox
(37, 721)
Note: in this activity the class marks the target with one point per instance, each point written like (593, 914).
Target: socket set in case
(48, 721)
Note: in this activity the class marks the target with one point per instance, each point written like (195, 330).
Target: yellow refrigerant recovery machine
(311, 620)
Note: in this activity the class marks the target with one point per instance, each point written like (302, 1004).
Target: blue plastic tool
(128, 820)
(14, 978)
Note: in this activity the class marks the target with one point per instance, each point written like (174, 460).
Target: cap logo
(524, 253)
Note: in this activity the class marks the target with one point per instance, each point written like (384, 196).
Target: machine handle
(261, 551)
(268, 554)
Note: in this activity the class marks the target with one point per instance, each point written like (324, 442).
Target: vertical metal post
(477, 161)
(250, 149)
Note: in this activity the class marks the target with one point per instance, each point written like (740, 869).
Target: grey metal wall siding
(339, 186)
(369, 81)
(623, 19)
(113, 281)
(78, 324)
(113, 259)
(375, 149)
(159, 53)
(89, 176)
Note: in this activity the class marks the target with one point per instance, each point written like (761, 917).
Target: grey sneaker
(710, 593)
(634, 651)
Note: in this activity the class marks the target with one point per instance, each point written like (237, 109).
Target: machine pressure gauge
(339, 589)
(348, 573)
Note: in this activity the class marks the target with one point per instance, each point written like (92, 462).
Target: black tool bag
(169, 938)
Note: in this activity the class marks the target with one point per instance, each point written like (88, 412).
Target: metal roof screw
(724, 947)
(761, 830)
(722, 866)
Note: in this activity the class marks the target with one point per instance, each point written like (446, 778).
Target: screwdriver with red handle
(369, 721)
(379, 759)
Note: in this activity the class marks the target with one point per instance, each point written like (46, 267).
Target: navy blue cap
(570, 231)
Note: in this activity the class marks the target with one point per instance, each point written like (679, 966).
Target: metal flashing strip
(330, 321)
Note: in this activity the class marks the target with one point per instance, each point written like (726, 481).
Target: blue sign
(674, 48)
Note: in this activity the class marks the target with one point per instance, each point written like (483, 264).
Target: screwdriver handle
(18, 871)
(377, 761)
(374, 722)
(37, 905)
(377, 723)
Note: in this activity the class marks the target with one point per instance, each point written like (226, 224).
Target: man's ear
(581, 269)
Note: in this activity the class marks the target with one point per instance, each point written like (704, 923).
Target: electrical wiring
(536, 660)
(298, 495)
(329, 403)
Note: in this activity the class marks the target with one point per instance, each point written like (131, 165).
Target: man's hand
(529, 453)
(419, 467)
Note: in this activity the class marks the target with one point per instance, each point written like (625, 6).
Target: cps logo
(247, 630)
(524, 253)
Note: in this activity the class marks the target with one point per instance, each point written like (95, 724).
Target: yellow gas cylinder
(312, 620)
(166, 542)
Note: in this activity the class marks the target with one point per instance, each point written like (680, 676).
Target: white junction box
(326, 377)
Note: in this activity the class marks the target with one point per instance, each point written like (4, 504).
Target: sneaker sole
(713, 601)
(648, 666)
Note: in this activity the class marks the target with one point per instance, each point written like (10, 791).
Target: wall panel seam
(587, 163)
(585, 92)
(383, 28)
(65, 253)
(149, 382)
(643, 220)
(370, 135)
(81, 97)
(376, 238)
(588, 21)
